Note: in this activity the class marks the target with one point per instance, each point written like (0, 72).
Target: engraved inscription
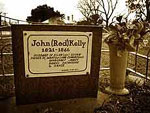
(52, 54)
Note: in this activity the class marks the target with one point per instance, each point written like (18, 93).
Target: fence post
(147, 62)
(0, 20)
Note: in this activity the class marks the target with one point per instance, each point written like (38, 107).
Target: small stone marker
(53, 62)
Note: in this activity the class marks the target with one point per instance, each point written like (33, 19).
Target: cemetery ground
(136, 102)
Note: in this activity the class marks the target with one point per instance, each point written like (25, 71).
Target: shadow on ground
(84, 105)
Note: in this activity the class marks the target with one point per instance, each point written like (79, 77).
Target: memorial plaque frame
(44, 89)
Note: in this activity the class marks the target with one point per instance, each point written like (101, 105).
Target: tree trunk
(148, 10)
(107, 23)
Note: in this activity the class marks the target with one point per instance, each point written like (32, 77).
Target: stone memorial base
(82, 105)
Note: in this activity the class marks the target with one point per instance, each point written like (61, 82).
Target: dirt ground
(84, 105)
(80, 105)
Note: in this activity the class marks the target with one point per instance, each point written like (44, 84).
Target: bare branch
(113, 8)
(101, 7)
(108, 3)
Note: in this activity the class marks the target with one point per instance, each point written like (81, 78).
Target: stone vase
(118, 65)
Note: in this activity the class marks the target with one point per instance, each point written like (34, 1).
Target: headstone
(55, 62)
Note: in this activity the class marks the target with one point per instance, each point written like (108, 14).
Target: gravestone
(55, 62)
